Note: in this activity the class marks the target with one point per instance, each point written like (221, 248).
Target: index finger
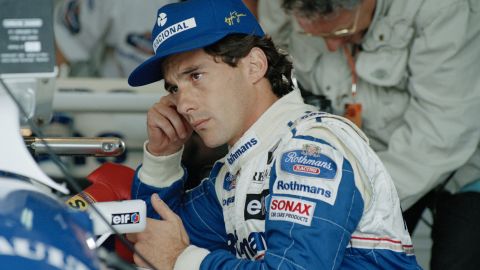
(176, 119)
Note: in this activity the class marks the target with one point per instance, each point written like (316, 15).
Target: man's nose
(185, 100)
(333, 44)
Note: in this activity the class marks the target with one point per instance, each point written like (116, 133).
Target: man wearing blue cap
(298, 189)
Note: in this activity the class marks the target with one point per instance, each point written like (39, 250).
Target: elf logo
(125, 218)
(255, 206)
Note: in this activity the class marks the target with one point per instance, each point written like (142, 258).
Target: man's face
(212, 96)
(340, 28)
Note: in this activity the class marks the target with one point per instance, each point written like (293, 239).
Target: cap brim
(151, 70)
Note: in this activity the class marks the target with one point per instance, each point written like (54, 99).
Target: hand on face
(163, 240)
(167, 129)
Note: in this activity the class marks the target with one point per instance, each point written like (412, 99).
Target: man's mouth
(199, 123)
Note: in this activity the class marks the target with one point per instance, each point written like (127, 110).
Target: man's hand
(167, 129)
(163, 240)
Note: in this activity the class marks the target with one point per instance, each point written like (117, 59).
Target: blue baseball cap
(190, 25)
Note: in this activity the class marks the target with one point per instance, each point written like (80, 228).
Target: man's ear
(257, 64)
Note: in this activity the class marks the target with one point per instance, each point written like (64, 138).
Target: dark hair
(233, 47)
(309, 8)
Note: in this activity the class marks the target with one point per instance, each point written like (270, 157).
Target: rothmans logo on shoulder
(242, 149)
(300, 163)
(172, 31)
(234, 17)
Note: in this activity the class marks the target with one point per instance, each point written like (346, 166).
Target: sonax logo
(292, 210)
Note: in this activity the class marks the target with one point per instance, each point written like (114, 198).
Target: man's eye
(172, 89)
(196, 76)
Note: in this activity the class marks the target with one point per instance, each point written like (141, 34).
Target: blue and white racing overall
(299, 190)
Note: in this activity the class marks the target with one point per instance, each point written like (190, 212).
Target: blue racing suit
(299, 190)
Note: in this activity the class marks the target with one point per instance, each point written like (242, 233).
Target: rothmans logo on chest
(245, 147)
